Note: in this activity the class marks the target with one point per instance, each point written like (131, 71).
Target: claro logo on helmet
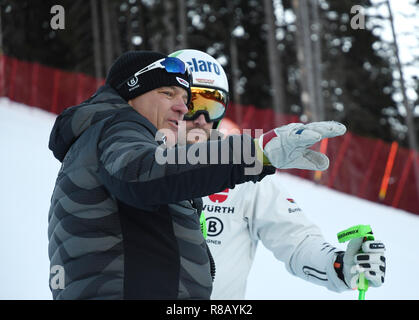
(204, 66)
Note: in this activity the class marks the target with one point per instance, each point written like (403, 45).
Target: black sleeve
(130, 167)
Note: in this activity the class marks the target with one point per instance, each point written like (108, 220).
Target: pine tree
(355, 76)
(358, 79)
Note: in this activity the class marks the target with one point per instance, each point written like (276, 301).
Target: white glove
(371, 261)
(287, 147)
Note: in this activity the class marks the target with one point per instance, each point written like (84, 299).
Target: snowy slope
(28, 172)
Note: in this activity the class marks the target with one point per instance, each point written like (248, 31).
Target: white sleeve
(275, 219)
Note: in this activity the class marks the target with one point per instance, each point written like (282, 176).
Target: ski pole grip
(359, 231)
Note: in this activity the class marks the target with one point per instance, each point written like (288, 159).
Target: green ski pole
(359, 231)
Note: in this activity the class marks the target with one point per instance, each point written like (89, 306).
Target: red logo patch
(219, 197)
(268, 137)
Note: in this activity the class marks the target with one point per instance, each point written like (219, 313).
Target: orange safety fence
(364, 167)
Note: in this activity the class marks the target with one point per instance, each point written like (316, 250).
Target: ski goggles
(170, 64)
(211, 103)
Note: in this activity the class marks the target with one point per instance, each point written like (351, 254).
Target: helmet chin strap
(216, 124)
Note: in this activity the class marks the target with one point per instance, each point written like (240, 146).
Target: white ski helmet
(207, 72)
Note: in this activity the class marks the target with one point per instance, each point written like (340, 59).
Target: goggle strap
(155, 65)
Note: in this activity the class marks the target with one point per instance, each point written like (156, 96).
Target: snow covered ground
(27, 175)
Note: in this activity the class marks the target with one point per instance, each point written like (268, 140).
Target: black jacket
(121, 224)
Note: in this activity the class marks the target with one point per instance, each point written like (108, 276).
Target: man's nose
(200, 121)
(180, 107)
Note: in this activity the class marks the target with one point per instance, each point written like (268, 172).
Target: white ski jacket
(238, 218)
